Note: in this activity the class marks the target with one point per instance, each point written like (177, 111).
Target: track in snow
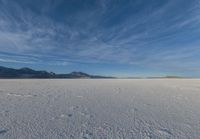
(100, 109)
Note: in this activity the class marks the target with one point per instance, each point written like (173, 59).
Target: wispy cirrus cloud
(159, 35)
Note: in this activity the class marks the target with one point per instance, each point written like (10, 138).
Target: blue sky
(106, 37)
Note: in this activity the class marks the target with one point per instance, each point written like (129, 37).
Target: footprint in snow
(87, 135)
(74, 107)
(66, 115)
(3, 131)
(164, 133)
(62, 116)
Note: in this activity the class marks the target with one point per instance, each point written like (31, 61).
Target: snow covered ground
(100, 109)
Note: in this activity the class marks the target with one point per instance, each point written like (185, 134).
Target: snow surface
(100, 109)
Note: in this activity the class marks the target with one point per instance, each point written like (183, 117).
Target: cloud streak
(159, 35)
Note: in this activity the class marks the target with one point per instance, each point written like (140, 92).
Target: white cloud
(83, 37)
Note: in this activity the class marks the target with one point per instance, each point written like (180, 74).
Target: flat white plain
(100, 109)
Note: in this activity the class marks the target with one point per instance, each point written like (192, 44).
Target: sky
(106, 37)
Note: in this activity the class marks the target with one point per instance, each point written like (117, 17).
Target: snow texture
(100, 109)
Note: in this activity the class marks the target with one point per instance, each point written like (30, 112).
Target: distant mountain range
(30, 73)
(26, 73)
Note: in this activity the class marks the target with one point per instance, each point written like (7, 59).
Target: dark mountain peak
(52, 73)
(1, 67)
(4, 68)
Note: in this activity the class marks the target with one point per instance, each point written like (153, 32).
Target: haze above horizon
(104, 37)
